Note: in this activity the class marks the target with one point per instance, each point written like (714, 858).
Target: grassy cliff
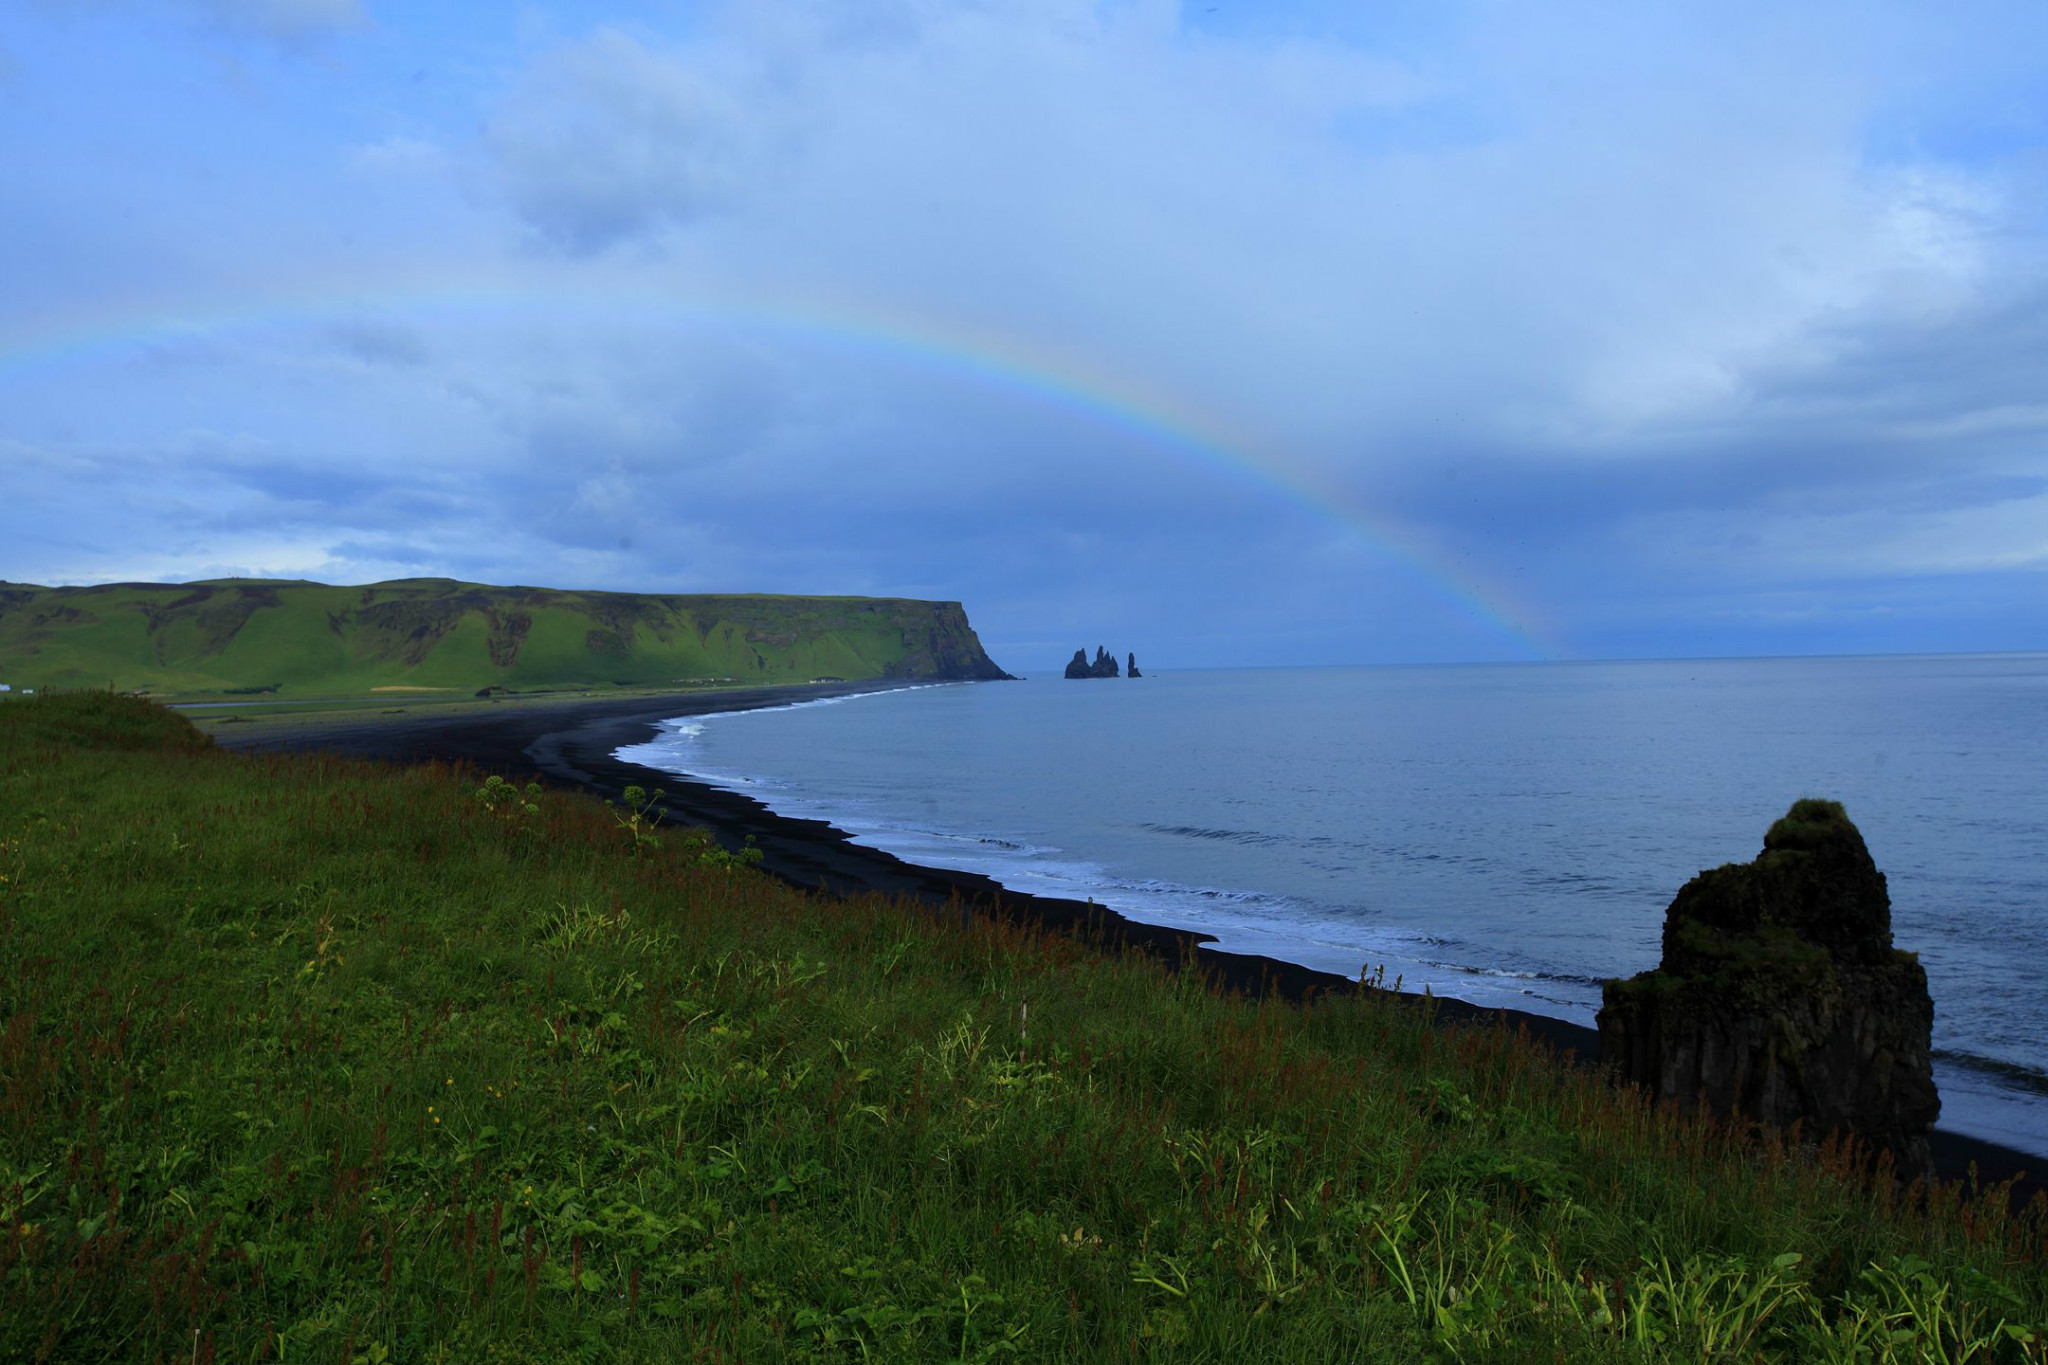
(294, 638)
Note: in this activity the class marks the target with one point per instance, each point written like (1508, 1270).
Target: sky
(1301, 332)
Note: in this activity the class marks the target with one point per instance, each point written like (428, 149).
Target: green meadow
(421, 637)
(309, 1060)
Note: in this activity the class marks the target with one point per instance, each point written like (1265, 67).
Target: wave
(1232, 836)
(690, 727)
(1509, 973)
(667, 752)
(1430, 855)
(1239, 836)
(1155, 887)
(2012, 1075)
(877, 829)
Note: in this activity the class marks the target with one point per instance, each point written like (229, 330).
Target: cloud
(1302, 228)
(380, 343)
(399, 155)
(612, 137)
(1621, 250)
(283, 19)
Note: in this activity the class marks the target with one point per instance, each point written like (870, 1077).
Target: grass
(310, 713)
(307, 1060)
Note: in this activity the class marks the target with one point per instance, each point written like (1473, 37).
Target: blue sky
(1310, 333)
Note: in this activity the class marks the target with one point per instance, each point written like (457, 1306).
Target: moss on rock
(1781, 997)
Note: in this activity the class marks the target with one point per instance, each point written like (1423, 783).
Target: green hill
(295, 638)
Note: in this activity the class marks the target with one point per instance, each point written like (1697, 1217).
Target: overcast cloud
(1667, 331)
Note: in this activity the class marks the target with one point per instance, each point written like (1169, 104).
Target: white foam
(674, 751)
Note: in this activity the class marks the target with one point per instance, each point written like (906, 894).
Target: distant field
(298, 714)
(262, 639)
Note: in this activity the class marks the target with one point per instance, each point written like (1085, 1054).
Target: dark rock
(1131, 668)
(1781, 998)
(1103, 667)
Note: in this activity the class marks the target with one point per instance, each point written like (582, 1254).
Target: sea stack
(1131, 667)
(1103, 667)
(1781, 998)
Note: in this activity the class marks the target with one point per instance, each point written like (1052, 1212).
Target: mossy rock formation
(1781, 998)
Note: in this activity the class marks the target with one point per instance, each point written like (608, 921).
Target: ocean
(1505, 834)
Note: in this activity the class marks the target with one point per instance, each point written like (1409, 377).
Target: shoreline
(571, 744)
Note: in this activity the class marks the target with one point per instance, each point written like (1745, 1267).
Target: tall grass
(302, 1059)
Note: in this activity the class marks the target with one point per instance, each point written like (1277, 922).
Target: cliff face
(1781, 997)
(298, 637)
(944, 647)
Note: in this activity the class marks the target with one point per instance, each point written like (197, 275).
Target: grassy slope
(308, 638)
(306, 1060)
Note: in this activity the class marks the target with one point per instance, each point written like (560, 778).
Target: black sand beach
(570, 744)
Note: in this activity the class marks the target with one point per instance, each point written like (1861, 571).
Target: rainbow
(979, 356)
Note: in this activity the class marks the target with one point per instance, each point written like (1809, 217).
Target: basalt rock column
(1103, 667)
(1131, 667)
(1781, 997)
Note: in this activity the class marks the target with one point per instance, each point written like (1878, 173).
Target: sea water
(1505, 834)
